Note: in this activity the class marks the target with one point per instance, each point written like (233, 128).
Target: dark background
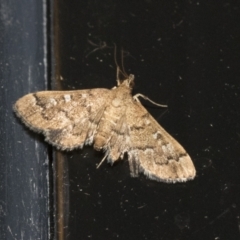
(185, 55)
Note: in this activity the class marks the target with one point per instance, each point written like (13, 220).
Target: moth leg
(135, 97)
(133, 165)
(102, 160)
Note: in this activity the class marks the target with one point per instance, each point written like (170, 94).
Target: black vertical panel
(24, 165)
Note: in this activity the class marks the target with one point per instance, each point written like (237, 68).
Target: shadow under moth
(113, 121)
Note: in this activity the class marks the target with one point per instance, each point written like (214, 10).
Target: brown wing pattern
(68, 119)
(153, 151)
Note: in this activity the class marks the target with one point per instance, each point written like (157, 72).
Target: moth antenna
(115, 55)
(118, 68)
(119, 71)
(102, 160)
(146, 98)
(123, 69)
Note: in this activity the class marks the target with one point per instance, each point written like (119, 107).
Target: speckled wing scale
(113, 121)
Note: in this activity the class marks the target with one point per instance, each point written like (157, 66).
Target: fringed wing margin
(153, 151)
(68, 119)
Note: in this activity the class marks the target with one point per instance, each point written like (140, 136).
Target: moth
(112, 120)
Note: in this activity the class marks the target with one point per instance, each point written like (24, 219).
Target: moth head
(128, 82)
